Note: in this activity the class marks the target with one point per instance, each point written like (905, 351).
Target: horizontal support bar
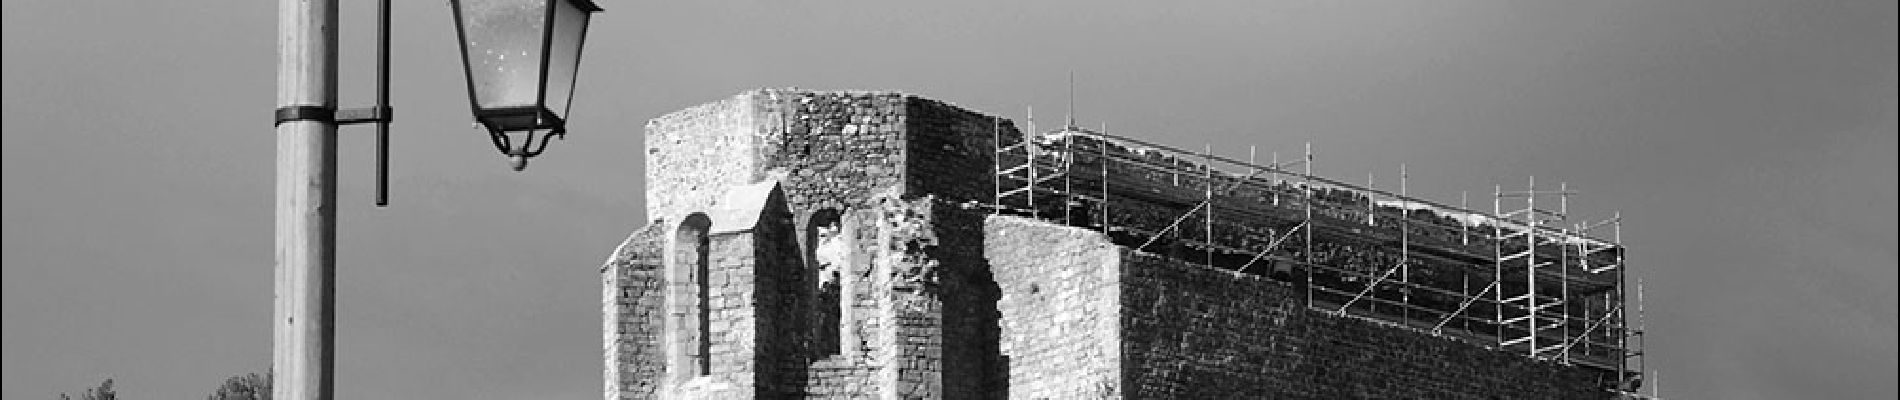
(1528, 193)
(1133, 157)
(1600, 270)
(1525, 317)
(349, 116)
(1594, 225)
(1046, 178)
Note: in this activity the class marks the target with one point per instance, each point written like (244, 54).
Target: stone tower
(836, 244)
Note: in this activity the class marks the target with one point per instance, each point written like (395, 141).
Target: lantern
(520, 57)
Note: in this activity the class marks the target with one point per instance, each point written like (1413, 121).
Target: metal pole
(1029, 148)
(1405, 246)
(1068, 168)
(1370, 198)
(1497, 266)
(1276, 179)
(303, 320)
(1372, 307)
(1207, 178)
(1101, 144)
(1622, 313)
(382, 103)
(1530, 261)
(1563, 267)
(1465, 273)
(1308, 243)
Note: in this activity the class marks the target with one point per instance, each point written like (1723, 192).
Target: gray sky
(1749, 144)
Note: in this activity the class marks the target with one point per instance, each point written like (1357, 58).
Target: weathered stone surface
(843, 258)
(1060, 298)
(1190, 331)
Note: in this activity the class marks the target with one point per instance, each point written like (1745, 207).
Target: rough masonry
(839, 244)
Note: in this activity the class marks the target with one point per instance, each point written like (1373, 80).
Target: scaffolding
(1545, 286)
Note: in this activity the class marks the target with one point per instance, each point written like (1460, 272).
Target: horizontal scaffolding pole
(1188, 157)
(1339, 212)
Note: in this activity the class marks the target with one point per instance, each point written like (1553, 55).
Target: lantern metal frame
(499, 121)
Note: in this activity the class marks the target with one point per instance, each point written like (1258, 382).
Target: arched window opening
(826, 247)
(689, 297)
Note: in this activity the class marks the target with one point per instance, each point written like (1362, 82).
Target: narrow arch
(688, 297)
(824, 236)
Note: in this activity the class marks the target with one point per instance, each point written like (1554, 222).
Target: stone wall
(875, 270)
(1084, 318)
(950, 151)
(834, 149)
(1060, 309)
(837, 149)
(1196, 332)
(973, 364)
(850, 369)
(693, 155)
(778, 294)
(633, 294)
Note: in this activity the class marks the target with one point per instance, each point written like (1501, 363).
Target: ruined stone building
(882, 245)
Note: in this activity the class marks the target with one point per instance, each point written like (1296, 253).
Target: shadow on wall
(974, 366)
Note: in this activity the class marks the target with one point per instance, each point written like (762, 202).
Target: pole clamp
(330, 115)
(305, 113)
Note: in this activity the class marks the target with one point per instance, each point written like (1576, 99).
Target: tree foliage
(252, 386)
(103, 392)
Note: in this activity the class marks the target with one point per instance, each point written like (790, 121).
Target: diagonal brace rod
(1370, 286)
(1190, 212)
(1273, 245)
(1461, 307)
(1593, 327)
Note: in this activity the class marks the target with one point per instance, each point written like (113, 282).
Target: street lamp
(520, 57)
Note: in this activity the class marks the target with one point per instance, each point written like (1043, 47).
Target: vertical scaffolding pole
(1308, 243)
(996, 164)
(1207, 181)
(1530, 263)
(1405, 247)
(1372, 307)
(1370, 198)
(1068, 168)
(1102, 146)
(1642, 324)
(1029, 149)
(1563, 268)
(1464, 227)
(1622, 315)
(1497, 273)
(1276, 179)
(1465, 273)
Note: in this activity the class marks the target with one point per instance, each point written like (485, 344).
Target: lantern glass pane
(564, 54)
(504, 50)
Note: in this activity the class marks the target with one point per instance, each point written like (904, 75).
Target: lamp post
(303, 320)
